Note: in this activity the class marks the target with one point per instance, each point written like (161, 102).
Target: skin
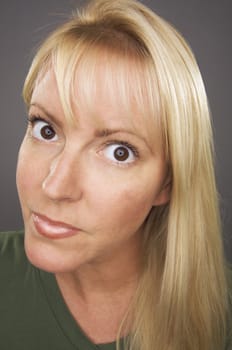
(74, 178)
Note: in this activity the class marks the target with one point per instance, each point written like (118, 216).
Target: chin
(47, 257)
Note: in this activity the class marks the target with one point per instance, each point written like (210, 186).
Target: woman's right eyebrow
(45, 111)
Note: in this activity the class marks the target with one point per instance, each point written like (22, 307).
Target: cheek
(126, 205)
(28, 171)
(135, 204)
(125, 201)
(23, 170)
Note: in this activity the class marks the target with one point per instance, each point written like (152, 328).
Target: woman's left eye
(43, 131)
(120, 153)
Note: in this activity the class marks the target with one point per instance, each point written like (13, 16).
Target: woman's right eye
(42, 130)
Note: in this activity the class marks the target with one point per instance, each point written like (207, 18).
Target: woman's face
(85, 188)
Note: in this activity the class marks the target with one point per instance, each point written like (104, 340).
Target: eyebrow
(45, 111)
(107, 132)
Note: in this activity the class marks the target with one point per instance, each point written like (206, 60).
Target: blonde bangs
(91, 71)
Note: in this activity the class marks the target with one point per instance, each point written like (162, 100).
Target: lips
(53, 229)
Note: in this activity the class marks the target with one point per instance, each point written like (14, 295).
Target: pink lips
(53, 229)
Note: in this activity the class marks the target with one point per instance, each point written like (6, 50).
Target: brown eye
(43, 131)
(47, 132)
(121, 154)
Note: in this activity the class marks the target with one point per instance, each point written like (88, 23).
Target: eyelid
(32, 123)
(123, 143)
(32, 119)
(109, 154)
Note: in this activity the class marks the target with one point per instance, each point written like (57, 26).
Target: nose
(63, 179)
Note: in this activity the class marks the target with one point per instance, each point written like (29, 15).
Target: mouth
(53, 229)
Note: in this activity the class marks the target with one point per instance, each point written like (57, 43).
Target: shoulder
(12, 255)
(10, 237)
(229, 318)
(11, 243)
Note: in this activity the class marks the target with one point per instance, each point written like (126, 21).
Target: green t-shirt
(33, 314)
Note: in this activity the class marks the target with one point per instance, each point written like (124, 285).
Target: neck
(99, 294)
(110, 276)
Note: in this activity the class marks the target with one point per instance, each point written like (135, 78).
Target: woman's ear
(163, 196)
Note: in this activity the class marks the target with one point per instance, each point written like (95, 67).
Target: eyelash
(123, 143)
(32, 119)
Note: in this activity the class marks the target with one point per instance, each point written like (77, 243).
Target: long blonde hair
(181, 299)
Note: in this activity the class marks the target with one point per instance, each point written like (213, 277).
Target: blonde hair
(181, 299)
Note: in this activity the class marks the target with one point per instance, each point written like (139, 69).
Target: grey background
(207, 26)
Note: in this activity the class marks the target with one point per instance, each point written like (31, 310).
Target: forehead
(112, 85)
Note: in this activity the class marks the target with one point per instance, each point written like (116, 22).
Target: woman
(116, 183)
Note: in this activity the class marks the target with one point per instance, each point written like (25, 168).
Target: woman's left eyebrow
(108, 132)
